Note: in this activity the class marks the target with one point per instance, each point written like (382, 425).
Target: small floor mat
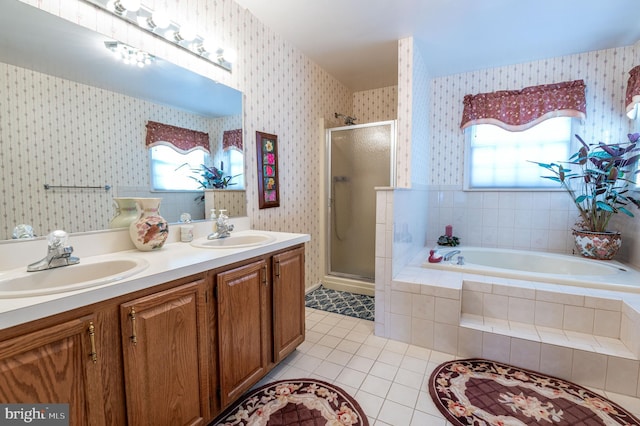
(300, 402)
(341, 302)
(483, 392)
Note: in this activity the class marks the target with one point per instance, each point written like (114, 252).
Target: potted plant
(212, 178)
(599, 178)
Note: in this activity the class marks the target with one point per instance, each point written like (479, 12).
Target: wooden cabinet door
(243, 328)
(288, 302)
(164, 343)
(58, 364)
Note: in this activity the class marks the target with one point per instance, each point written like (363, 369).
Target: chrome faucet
(223, 227)
(58, 253)
(448, 255)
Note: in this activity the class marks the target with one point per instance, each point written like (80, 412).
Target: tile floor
(388, 378)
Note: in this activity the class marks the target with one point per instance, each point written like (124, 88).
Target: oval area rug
(304, 402)
(483, 392)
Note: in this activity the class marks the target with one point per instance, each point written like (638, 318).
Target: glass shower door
(360, 159)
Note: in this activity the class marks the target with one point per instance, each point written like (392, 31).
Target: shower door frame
(328, 189)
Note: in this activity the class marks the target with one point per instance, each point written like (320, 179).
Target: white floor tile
(403, 395)
(329, 370)
(351, 377)
(361, 363)
(395, 414)
(387, 378)
(376, 386)
(408, 378)
(339, 357)
(370, 403)
(422, 419)
(384, 371)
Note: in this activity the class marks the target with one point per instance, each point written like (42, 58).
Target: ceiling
(356, 40)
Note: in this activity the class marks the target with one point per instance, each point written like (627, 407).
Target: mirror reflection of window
(234, 166)
(174, 171)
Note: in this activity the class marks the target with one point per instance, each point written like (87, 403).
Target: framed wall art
(268, 171)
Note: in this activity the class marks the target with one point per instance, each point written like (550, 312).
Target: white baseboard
(347, 284)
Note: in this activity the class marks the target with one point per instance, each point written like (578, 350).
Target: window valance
(232, 139)
(517, 110)
(632, 98)
(182, 139)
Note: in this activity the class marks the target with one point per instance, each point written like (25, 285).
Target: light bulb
(208, 47)
(186, 33)
(159, 20)
(124, 6)
(130, 5)
(229, 55)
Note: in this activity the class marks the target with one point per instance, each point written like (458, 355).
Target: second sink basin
(68, 278)
(239, 240)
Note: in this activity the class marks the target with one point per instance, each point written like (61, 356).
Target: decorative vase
(126, 212)
(597, 245)
(149, 231)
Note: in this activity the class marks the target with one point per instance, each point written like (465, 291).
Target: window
(173, 171)
(500, 159)
(234, 166)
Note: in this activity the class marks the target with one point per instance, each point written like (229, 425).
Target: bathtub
(542, 267)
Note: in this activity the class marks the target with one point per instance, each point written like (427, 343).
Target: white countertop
(173, 261)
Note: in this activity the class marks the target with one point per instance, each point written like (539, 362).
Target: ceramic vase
(150, 230)
(126, 212)
(597, 245)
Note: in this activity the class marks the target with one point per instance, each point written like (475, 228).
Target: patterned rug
(304, 402)
(483, 392)
(341, 302)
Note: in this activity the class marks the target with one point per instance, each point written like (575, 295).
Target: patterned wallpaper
(374, 105)
(285, 94)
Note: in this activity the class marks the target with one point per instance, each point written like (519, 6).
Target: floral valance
(632, 99)
(517, 110)
(232, 139)
(182, 139)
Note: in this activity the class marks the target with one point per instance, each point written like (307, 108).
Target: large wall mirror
(71, 115)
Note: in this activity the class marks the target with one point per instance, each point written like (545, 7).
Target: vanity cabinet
(59, 363)
(164, 345)
(260, 316)
(288, 302)
(176, 353)
(242, 296)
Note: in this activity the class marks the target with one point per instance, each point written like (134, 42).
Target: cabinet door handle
(134, 337)
(277, 268)
(92, 338)
(264, 275)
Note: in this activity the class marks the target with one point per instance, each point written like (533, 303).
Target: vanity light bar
(159, 24)
(128, 54)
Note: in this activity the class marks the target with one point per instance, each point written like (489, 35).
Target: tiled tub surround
(589, 336)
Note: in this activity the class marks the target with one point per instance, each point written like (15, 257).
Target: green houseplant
(599, 180)
(212, 178)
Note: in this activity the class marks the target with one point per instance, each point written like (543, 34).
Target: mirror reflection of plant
(212, 178)
(600, 185)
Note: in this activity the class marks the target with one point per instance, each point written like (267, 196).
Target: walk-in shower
(359, 158)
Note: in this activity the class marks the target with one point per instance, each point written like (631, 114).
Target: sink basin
(239, 240)
(68, 278)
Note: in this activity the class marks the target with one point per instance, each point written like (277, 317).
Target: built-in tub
(541, 266)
